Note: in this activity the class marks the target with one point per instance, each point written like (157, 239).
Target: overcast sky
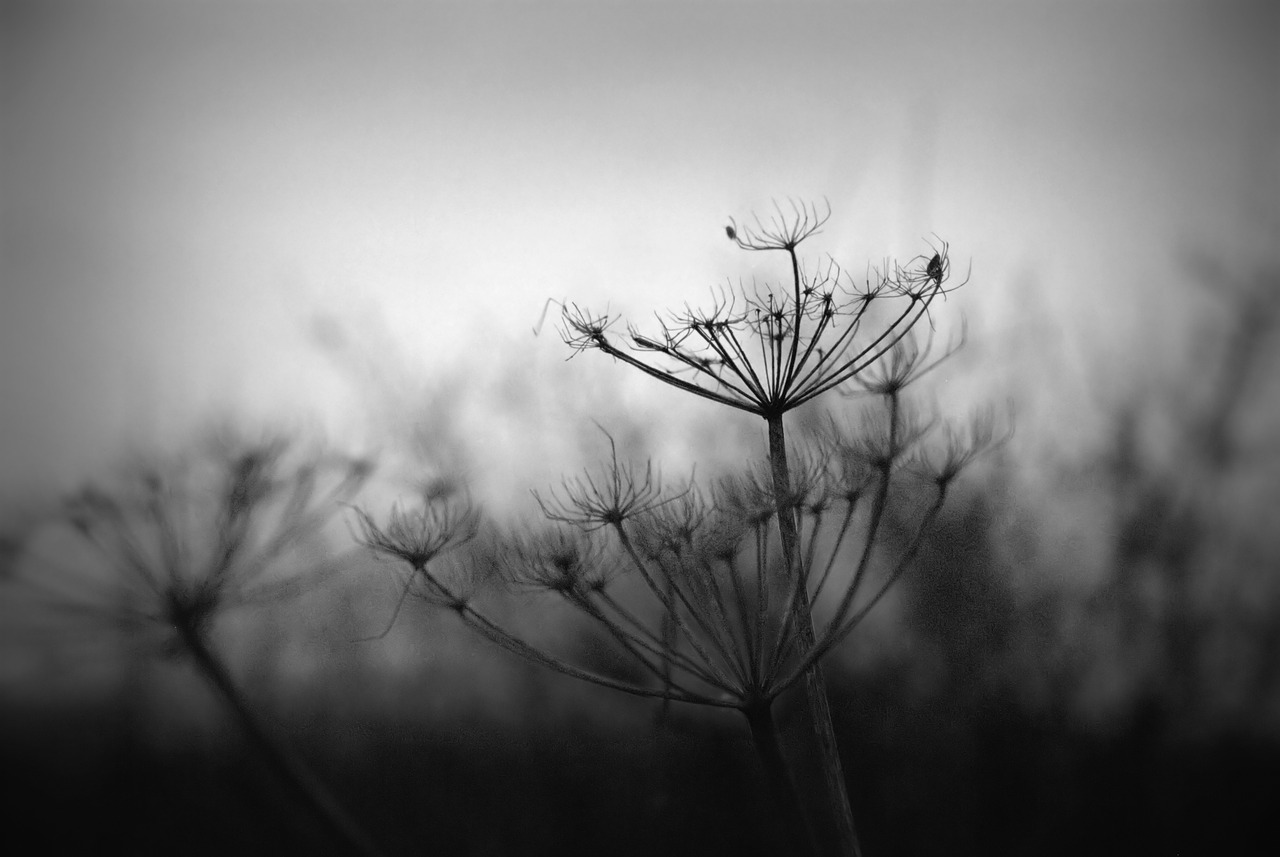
(188, 186)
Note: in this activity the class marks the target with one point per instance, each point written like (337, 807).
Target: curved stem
(898, 569)
(495, 634)
(640, 641)
(306, 786)
(672, 607)
(679, 383)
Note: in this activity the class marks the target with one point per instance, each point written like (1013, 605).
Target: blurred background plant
(1101, 629)
(163, 554)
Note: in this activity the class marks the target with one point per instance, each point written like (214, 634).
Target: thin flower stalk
(847, 487)
(812, 335)
(677, 605)
(726, 616)
(844, 623)
(724, 610)
(178, 544)
(640, 640)
(417, 536)
(717, 618)
(495, 634)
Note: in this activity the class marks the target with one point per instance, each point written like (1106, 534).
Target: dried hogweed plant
(731, 596)
(175, 545)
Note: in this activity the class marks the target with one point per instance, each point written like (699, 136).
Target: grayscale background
(351, 221)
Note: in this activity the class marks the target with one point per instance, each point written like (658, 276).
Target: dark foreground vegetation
(970, 722)
(1083, 656)
(979, 713)
(957, 770)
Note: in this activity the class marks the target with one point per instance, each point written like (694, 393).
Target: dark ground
(928, 776)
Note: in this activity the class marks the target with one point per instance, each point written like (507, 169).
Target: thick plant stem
(782, 788)
(812, 734)
(291, 772)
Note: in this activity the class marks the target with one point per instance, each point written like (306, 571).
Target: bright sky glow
(187, 185)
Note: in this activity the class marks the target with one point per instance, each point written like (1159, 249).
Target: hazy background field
(345, 220)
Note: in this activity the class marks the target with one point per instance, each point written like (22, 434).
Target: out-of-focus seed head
(556, 560)
(417, 535)
(620, 493)
(959, 447)
(881, 436)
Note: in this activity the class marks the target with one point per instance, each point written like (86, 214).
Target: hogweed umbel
(737, 593)
(767, 351)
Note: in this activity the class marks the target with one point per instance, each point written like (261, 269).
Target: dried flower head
(768, 349)
(784, 230)
(942, 462)
(748, 496)
(420, 534)
(849, 472)
(881, 436)
(557, 560)
(621, 493)
(934, 268)
(906, 362)
(672, 528)
(581, 331)
(174, 542)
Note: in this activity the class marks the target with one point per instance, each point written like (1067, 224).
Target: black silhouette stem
(817, 711)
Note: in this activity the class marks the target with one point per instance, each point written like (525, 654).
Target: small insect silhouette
(935, 269)
(731, 232)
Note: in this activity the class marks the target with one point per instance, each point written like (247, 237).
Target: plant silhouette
(176, 544)
(729, 596)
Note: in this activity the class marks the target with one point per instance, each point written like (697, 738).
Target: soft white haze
(198, 196)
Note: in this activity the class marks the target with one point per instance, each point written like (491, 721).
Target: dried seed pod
(935, 268)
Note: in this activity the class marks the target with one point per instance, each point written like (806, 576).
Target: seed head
(419, 535)
(620, 493)
(559, 561)
(934, 270)
(959, 447)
